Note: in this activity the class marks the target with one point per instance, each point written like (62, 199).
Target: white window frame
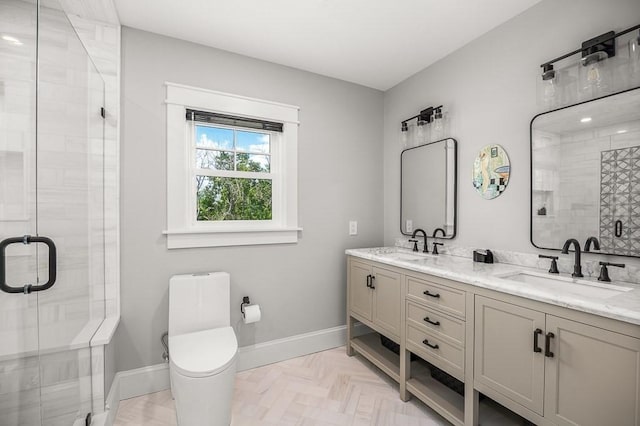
(183, 229)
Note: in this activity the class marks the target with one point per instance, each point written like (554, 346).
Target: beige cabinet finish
(504, 358)
(360, 297)
(593, 378)
(442, 297)
(586, 376)
(387, 292)
(374, 297)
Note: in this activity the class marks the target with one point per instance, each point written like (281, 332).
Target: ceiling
(375, 43)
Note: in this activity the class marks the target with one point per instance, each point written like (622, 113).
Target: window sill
(192, 238)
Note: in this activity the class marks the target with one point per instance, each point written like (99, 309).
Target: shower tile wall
(50, 386)
(620, 197)
(102, 41)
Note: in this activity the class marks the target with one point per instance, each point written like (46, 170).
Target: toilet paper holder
(245, 302)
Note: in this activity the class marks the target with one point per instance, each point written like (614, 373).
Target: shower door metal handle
(28, 288)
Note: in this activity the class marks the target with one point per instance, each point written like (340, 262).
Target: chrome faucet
(577, 267)
(596, 244)
(424, 235)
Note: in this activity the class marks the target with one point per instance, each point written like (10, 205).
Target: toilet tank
(199, 302)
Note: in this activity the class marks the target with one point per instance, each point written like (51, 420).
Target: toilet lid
(203, 353)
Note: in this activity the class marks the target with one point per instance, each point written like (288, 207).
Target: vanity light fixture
(593, 51)
(585, 119)
(425, 117)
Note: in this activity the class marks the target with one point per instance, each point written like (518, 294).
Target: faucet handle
(415, 244)
(554, 263)
(435, 247)
(604, 272)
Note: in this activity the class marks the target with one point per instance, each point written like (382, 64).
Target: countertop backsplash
(590, 267)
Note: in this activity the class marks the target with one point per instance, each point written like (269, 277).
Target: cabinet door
(504, 357)
(386, 300)
(593, 377)
(360, 296)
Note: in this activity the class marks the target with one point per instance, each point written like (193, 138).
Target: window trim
(181, 231)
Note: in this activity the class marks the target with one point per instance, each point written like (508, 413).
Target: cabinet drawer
(445, 356)
(441, 325)
(445, 298)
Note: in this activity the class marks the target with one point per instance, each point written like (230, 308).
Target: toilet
(202, 348)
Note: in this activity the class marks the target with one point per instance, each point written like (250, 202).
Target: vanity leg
(405, 374)
(350, 323)
(471, 396)
(471, 405)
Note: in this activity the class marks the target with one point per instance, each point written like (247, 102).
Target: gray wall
(300, 287)
(489, 87)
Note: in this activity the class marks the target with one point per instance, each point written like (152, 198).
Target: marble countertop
(622, 306)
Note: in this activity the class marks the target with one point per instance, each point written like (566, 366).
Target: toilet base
(204, 401)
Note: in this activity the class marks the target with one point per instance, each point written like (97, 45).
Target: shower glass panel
(51, 185)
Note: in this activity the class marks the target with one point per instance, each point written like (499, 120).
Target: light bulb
(420, 132)
(593, 74)
(437, 131)
(404, 135)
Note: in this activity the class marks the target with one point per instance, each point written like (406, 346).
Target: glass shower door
(51, 185)
(19, 351)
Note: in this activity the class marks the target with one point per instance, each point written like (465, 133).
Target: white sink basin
(403, 256)
(566, 285)
(399, 254)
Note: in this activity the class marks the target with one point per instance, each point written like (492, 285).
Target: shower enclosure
(52, 254)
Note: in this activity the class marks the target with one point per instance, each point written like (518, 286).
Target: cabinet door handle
(426, 342)
(431, 322)
(426, 293)
(536, 348)
(373, 287)
(547, 344)
(369, 280)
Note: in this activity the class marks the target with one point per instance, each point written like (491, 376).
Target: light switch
(409, 226)
(353, 227)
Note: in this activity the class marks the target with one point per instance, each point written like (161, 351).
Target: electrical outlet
(409, 226)
(353, 227)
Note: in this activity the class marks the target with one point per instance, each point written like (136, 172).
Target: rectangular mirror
(585, 174)
(428, 188)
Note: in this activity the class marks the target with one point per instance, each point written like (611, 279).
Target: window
(231, 169)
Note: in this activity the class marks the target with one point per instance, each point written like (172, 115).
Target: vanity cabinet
(549, 364)
(568, 372)
(374, 297)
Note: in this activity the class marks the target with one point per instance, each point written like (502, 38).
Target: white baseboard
(155, 378)
(292, 347)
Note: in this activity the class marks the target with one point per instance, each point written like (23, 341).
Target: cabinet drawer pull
(436, 295)
(431, 322)
(547, 344)
(426, 342)
(373, 287)
(369, 280)
(536, 348)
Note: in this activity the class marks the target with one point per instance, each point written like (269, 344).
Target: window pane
(222, 198)
(214, 137)
(252, 142)
(216, 160)
(252, 162)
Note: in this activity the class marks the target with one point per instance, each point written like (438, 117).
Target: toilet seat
(203, 353)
